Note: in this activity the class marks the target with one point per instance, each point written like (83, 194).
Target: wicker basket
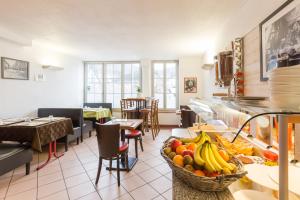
(203, 183)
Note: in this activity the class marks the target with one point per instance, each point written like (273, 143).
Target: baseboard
(169, 126)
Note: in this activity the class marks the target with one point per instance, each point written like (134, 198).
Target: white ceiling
(119, 29)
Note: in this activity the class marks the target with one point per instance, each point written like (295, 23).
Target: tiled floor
(73, 176)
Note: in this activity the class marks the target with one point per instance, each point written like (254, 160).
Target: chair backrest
(97, 105)
(76, 114)
(188, 117)
(184, 107)
(123, 104)
(108, 137)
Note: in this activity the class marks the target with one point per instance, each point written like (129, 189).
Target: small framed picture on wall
(14, 69)
(190, 85)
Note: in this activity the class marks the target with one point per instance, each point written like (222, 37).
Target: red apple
(188, 152)
(175, 143)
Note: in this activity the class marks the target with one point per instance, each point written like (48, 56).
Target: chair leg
(77, 141)
(126, 162)
(99, 170)
(81, 137)
(143, 132)
(118, 170)
(66, 144)
(152, 129)
(90, 133)
(110, 164)
(136, 147)
(128, 141)
(27, 168)
(141, 143)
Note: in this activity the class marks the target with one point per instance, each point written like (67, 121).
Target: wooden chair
(123, 107)
(153, 118)
(108, 137)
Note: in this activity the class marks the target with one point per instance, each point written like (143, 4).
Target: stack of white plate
(284, 84)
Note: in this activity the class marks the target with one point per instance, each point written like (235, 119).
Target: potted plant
(139, 91)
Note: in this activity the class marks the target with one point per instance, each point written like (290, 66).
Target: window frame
(164, 62)
(104, 63)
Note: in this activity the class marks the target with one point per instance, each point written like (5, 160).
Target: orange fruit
(199, 172)
(180, 149)
(178, 160)
(191, 146)
(224, 155)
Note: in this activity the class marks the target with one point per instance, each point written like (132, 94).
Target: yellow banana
(197, 157)
(205, 156)
(197, 139)
(190, 140)
(208, 138)
(213, 160)
(219, 158)
(204, 138)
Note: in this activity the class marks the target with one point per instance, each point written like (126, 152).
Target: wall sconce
(51, 67)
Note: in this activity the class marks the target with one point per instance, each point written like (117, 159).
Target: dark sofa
(76, 115)
(13, 156)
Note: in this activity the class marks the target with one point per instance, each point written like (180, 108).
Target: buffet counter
(262, 133)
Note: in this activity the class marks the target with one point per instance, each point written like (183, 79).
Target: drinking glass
(51, 118)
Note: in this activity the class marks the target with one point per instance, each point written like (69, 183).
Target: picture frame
(280, 38)
(190, 85)
(14, 69)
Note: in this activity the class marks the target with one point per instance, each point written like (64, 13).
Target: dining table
(37, 132)
(125, 124)
(96, 113)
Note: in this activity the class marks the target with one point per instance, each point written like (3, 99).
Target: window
(164, 83)
(111, 81)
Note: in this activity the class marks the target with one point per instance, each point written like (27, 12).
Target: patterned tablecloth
(97, 113)
(37, 132)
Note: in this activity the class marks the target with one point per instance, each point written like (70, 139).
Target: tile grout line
(9, 184)
(37, 176)
(86, 171)
(114, 177)
(46, 184)
(93, 152)
(64, 176)
(148, 183)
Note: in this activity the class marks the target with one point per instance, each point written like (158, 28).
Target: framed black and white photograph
(14, 69)
(190, 85)
(280, 38)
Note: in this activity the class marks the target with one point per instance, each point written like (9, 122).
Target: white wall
(239, 24)
(190, 67)
(60, 89)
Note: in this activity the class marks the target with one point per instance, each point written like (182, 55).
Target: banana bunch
(200, 139)
(208, 156)
(214, 161)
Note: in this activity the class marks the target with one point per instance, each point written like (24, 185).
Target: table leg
(55, 152)
(48, 159)
(131, 160)
(50, 153)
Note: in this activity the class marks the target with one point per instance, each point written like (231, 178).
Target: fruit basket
(209, 176)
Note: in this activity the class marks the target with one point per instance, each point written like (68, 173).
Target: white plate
(257, 173)
(294, 177)
(252, 194)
